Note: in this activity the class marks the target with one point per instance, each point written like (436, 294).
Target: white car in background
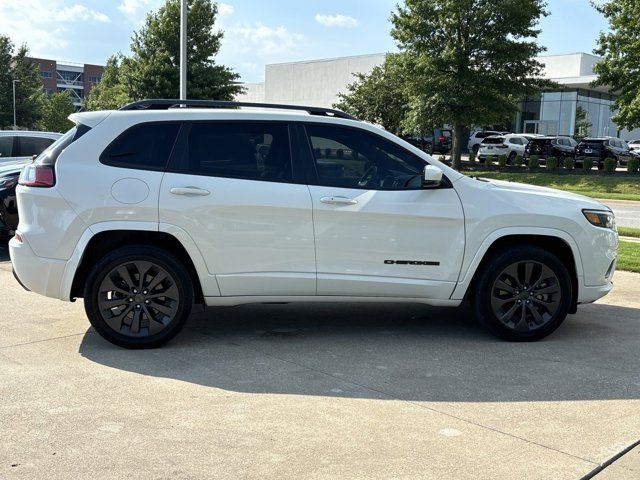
(509, 145)
(18, 145)
(147, 210)
(634, 145)
(476, 139)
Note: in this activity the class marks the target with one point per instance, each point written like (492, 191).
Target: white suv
(510, 146)
(147, 210)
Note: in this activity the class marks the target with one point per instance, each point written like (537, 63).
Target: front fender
(470, 266)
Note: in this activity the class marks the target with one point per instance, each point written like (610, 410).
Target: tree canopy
(29, 94)
(55, 112)
(152, 69)
(620, 49)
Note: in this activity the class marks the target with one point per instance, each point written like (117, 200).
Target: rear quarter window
(145, 146)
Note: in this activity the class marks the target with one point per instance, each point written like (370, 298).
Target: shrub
(442, 158)
(518, 161)
(569, 163)
(489, 161)
(534, 161)
(552, 163)
(610, 165)
(587, 164)
(472, 157)
(633, 165)
(502, 161)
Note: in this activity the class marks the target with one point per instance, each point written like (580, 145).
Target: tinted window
(254, 151)
(493, 141)
(6, 146)
(30, 146)
(515, 141)
(146, 146)
(352, 158)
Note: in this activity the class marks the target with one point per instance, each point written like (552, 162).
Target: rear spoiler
(90, 119)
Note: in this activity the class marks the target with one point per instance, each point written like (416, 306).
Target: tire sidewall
(145, 253)
(482, 293)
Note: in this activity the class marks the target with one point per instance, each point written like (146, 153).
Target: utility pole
(15, 125)
(183, 50)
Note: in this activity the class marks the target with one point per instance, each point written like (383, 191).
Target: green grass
(629, 257)
(629, 232)
(596, 186)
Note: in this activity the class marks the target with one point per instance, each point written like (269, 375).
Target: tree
(29, 94)
(152, 70)
(57, 108)
(111, 93)
(620, 50)
(378, 97)
(468, 60)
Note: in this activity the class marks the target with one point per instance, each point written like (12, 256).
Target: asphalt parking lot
(322, 391)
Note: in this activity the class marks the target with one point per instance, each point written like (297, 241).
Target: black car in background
(439, 142)
(550, 146)
(9, 173)
(598, 149)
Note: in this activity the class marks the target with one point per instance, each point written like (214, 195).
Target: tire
(551, 298)
(512, 158)
(475, 148)
(126, 313)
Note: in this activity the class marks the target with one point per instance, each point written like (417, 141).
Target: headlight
(601, 218)
(8, 182)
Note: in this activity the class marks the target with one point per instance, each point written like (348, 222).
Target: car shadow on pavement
(407, 352)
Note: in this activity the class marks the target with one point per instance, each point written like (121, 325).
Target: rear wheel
(138, 296)
(512, 158)
(522, 294)
(476, 148)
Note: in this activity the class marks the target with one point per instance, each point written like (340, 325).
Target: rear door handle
(338, 201)
(190, 191)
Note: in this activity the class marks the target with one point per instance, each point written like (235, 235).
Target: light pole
(183, 50)
(15, 126)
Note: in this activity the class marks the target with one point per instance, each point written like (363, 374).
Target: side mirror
(432, 177)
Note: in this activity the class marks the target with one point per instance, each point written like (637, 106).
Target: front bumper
(37, 274)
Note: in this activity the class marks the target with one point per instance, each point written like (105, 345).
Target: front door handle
(190, 191)
(338, 201)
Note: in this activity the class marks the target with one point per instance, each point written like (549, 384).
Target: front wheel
(522, 294)
(138, 296)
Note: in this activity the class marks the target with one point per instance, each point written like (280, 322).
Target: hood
(549, 193)
(13, 167)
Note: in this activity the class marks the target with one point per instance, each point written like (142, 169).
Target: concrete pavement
(322, 391)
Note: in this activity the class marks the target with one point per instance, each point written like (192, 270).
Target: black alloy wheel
(522, 293)
(138, 296)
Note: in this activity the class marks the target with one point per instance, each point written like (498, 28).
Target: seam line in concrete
(611, 461)
(44, 340)
(411, 402)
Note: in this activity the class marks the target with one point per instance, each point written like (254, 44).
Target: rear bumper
(37, 274)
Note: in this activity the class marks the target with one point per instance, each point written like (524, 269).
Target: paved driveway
(352, 391)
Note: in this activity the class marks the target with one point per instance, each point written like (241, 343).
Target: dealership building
(576, 107)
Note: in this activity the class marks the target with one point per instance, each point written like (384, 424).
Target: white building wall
(315, 83)
(254, 92)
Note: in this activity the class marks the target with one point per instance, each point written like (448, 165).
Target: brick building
(77, 78)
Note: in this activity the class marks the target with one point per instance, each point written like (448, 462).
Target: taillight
(442, 138)
(35, 175)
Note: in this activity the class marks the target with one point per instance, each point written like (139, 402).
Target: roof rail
(166, 104)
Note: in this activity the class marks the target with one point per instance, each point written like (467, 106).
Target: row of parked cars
(493, 144)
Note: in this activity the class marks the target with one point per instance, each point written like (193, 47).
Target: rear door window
(146, 146)
(252, 151)
(30, 146)
(6, 147)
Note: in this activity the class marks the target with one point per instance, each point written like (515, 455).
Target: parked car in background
(19, 144)
(598, 149)
(509, 145)
(439, 142)
(550, 146)
(476, 139)
(634, 145)
(9, 173)
(147, 210)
